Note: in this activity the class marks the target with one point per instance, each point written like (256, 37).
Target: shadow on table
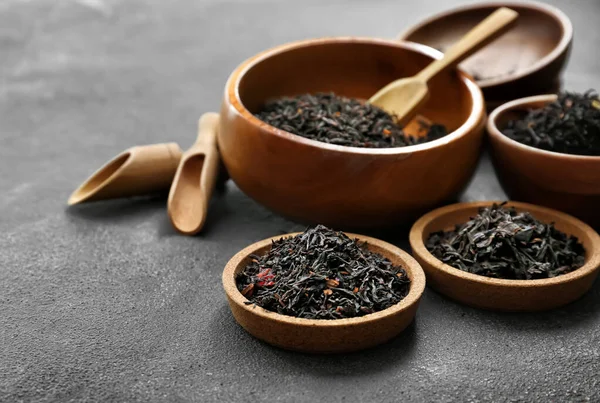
(376, 359)
(231, 337)
(130, 209)
(118, 210)
(219, 208)
(577, 313)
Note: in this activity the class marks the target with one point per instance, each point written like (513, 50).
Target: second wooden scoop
(195, 179)
(404, 96)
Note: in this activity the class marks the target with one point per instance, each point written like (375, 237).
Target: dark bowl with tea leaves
(339, 185)
(527, 168)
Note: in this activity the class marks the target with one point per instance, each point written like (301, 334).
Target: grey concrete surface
(106, 303)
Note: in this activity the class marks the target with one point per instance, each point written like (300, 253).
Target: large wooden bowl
(347, 187)
(325, 335)
(500, 294)
(525, 61)
(570, 183)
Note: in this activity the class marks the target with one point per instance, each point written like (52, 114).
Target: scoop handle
(207, 133)
(191, 190)
(485, 32)
(206, 143)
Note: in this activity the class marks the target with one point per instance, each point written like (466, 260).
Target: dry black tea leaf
(502, 243)
(570, 125)
(343, 121)
(322, 274)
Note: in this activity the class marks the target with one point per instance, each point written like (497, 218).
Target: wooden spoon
(137, 171)
(195, 179)
(404, 96)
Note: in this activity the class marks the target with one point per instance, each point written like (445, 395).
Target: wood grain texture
(325, 335)
(405, 96)
(526, 61)
(500, 294)
(346, 186)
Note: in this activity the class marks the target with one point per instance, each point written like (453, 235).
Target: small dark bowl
(565, 182)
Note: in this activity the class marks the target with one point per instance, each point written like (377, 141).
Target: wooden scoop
(137, 171)
(403, 97)
(195, 179)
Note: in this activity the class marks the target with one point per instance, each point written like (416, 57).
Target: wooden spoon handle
(485, 32)
(206, 144)
(207, 130)
(195, 179)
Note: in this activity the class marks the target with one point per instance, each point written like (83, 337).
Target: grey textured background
(106, 303)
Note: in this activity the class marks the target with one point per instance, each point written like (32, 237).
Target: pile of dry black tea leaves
(501, 242)
(322, 274)
(334, 119)
(570, 125)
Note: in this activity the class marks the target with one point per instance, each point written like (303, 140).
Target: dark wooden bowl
(325, 335)
(527, 60)
(500, 294)
(347, 187)
(569, 183)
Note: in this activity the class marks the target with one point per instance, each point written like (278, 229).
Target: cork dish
(569, 183)
(500, 294)
(347, 187)
(325, 335)
(528, 60)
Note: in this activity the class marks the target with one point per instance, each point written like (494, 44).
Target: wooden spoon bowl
(347, 187)
(569, 183)
(325, 335)
(527, 60)
(499, 294)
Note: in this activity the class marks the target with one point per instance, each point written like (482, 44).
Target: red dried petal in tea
(264, 273)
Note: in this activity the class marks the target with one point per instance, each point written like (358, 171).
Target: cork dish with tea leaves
(502, 294)
(325, 335)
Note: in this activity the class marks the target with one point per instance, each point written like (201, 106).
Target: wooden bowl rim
(523, 104)
(417, 287)
(549, 10)
(416, 241)
(232, 95)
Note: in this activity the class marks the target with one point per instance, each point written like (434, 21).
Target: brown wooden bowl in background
(569, 183)
(500, 294)
(347, 187)
(527, 60)
(325, 335)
